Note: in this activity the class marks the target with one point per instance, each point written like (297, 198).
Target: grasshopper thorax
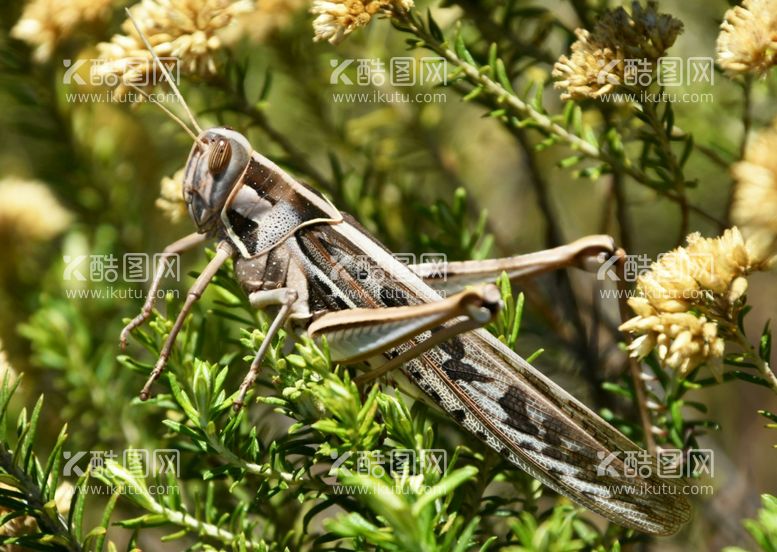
(216, 163)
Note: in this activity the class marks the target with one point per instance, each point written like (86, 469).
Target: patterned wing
(536, 425)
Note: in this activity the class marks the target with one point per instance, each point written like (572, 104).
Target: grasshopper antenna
(169, 113)
(165, 72)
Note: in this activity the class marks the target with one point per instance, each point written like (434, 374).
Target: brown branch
(634, 366)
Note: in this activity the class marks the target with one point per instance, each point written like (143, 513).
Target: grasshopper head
(216, 163)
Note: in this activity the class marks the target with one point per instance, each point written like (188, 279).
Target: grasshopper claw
(134, 323)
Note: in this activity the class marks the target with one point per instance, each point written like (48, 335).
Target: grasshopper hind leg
(359, 334)
(588, 253)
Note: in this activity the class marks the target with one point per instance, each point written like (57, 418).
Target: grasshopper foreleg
(175, 248)
(223, 252)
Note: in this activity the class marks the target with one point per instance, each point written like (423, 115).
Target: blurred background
(82, 175)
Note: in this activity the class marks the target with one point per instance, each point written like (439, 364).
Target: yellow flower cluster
(46, 23)
(597, 62)
(6, 370)
(747, 42)
(186, 32)
(683, 341)
(27, 525)
(754, 208)
(29, 211)
(261, 22)
(170, 200)
(688, 298)
(339, 18)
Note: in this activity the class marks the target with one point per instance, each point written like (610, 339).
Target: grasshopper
(302, 260)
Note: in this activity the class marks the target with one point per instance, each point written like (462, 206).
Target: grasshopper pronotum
(295, 255)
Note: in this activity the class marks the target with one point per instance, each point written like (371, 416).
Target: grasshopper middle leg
(286, 298)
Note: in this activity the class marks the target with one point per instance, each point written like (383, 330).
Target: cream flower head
(339, 18)
(682, 340)
(29, 211)
(170, 200)
(747, 42)
(688, 298)
(597, 63)
(755, 193)
(188, 31)
(45, 23)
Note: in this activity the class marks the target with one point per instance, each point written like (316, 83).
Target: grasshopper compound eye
(219, 156)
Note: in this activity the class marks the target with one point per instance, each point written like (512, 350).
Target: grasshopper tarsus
(155, 373)
(123, 340)
(240, 402)
(145, 393)
(125, 332)
(141, 318)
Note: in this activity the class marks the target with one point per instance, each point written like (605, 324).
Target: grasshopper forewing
(297, 255)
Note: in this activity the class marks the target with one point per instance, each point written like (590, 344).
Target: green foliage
(452, 232)
(285, 472)
(558, 530)
(237, 476)
(763, 529)
(31, 499)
